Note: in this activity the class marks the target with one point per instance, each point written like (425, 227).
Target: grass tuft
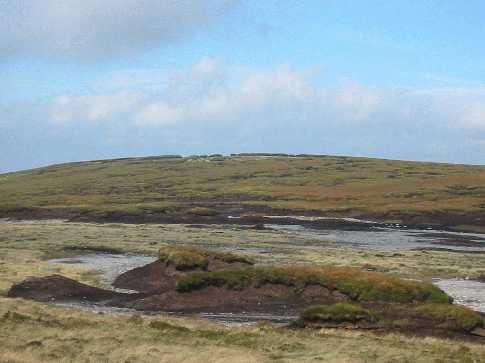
(186, 258)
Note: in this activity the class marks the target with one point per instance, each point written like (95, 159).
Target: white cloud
(356, 101)
(93, 29)
(214, 92)
(158, 114)
(473, 115)
(281, 84)
(93, 109)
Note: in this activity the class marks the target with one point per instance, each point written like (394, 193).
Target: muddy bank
(279, 300)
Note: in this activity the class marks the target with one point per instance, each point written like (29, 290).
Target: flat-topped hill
(168, 188)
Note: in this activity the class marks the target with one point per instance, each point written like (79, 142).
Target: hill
(211, 188)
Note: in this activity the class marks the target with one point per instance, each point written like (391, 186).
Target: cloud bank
(212, 92)
(94, 29)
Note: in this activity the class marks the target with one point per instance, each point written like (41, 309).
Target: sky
(90, 79)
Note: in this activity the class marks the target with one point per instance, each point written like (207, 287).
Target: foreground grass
(203, 185)
(33, 332)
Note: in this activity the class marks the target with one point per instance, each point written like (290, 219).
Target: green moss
(185, 258)
(452, 316)
(338, 313)
(363, 286)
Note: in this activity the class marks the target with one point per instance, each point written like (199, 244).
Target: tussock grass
(338, 313)
(185, 258)
(359, 285)
(452, 316)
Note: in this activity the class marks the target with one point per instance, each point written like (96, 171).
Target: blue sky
(88, 79)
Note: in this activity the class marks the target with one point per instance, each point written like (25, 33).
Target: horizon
(83, 80)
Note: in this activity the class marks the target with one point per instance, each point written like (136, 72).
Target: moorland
(155, 206)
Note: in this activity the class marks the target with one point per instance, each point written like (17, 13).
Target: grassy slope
(326, 185)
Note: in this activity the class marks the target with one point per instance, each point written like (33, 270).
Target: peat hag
(187, 279)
